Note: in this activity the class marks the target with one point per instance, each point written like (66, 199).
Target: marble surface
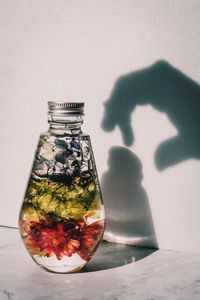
(115, 272)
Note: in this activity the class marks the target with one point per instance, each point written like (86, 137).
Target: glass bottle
(62, 215)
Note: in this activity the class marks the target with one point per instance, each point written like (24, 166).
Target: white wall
(76, 50)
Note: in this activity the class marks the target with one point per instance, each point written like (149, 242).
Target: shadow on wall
(128, 213)
(167, 90)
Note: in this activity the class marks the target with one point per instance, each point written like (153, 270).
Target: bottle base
(65, 265)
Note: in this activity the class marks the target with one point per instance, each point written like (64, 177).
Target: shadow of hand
(167, 90)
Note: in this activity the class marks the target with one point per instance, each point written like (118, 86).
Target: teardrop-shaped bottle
(62, 216)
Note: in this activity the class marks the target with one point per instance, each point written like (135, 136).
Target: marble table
(115, 272)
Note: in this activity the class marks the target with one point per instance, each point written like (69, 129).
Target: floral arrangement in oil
(62, 210)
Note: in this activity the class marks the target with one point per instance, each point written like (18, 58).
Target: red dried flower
(90, 237)
(49, 238)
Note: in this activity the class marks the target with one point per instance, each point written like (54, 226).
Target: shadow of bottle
(168, 90)
(128, 214)
(112, 255)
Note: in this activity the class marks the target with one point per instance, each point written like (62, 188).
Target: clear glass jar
(62, 216)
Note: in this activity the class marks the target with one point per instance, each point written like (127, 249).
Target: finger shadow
(128, 213)
(168, 90)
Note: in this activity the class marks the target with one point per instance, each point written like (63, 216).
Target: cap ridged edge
(66, 108)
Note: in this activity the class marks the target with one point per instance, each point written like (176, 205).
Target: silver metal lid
(66, 108)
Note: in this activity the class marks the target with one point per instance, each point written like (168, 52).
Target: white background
(76, 50)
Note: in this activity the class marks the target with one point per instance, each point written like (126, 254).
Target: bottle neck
(68, 125)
